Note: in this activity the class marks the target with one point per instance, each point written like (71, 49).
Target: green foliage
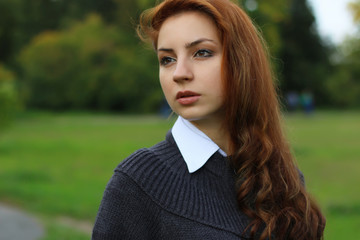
(9, 101)
(268, 15)
(355, 8)
(305, 57)
(301, 59)
(343, 88)
(7, 24)
(89, 65)
(67, 63)
(344, 85)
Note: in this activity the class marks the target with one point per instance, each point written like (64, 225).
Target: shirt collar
(195, 147)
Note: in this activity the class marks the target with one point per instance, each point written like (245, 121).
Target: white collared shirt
(195, 147)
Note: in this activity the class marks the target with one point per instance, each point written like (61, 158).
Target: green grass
(57, 231)
(58, 164)
(327, 147)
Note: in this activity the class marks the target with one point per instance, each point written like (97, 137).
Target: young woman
(225, 170)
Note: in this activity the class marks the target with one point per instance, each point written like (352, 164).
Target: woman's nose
(183, 70)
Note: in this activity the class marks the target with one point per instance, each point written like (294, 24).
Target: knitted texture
(153, 196)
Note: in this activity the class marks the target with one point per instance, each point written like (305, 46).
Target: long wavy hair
(270, 189)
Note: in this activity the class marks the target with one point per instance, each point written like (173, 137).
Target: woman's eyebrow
(165, 50)
(196, 42)
(187, 45)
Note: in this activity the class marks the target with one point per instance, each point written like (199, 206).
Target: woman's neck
(216, 132)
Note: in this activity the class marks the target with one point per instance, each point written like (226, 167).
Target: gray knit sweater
(153, 196)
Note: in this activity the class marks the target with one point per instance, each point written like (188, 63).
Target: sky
(333, 18)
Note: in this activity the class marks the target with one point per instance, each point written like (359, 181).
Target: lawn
(57, 165)
(327, 147)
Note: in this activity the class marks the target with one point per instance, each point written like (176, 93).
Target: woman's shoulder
(135, 161)
(160, 173)
(148, 164)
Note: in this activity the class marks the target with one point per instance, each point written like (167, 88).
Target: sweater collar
(195, 147)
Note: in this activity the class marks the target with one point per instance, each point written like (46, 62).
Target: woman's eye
(166, 60)
(203, 53)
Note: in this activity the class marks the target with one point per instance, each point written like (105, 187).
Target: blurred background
(79, 92)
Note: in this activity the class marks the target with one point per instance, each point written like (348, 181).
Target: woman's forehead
(188, 27)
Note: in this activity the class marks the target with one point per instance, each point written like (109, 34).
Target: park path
(18, 225)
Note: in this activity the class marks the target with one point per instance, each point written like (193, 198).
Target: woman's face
(190, 54)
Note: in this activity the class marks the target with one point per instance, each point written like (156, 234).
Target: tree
(355, 9)
(305, 57)
(9, 102)
(344, 85)
(88, 66)
(268, 15)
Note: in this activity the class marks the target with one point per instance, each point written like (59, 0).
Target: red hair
(269, 187)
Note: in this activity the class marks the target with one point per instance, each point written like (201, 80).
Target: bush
(89, 66)
(344, 89)
(8, 96)
(344, 85)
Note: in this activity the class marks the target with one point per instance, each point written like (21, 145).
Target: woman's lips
(187, 97)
